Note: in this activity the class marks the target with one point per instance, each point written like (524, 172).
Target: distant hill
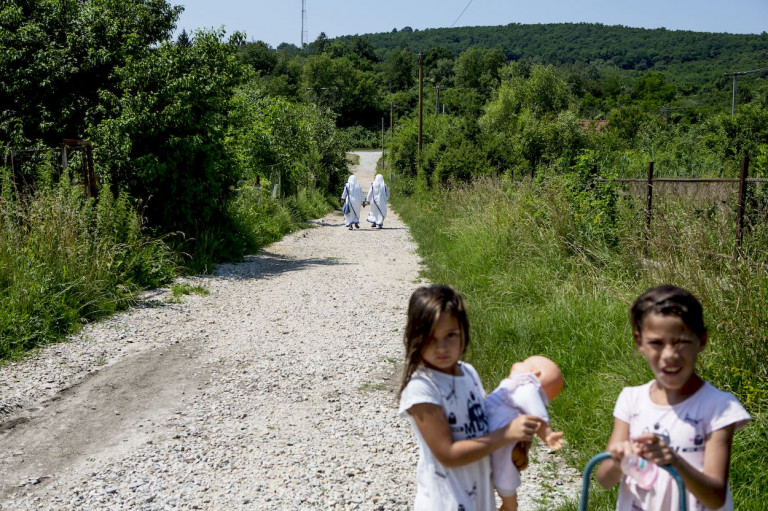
(694, 58)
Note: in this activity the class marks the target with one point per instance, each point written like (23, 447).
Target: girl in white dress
(676, 419)
(444, 401)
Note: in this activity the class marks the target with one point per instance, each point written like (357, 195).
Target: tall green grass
(548, 267)
(264, 219)
(65, 259)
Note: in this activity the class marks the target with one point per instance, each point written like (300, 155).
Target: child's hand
(554, 440)
(654, 448)
(620, 449)
(522, 428)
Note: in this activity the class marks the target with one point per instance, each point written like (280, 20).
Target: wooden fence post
(740, 207)
(88, 157)
(648, 205)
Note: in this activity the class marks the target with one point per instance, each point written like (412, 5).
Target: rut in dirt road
(275, 391)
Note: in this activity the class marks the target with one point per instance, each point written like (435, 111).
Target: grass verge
(66, 260)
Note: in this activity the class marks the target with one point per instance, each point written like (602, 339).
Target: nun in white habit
(378, 196)
(352, 195)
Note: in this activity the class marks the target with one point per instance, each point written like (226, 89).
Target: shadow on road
(267, 264)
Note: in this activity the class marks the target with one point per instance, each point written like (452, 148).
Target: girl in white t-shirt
(443, 399)
(676, 419)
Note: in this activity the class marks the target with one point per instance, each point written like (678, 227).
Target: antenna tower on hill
(303, 23)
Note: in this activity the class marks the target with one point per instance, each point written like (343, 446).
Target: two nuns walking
(352, 202)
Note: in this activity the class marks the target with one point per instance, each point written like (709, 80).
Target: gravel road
(276, 391)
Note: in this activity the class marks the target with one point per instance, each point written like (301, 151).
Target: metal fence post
(740, 207)
(648, 205)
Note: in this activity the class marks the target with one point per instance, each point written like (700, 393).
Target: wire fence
(721, 197)
(24, 165)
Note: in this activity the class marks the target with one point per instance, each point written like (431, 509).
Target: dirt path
(275, 391)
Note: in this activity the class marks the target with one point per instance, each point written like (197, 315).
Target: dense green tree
(288, 49)
(399, 70)
(436, 54)
(260, 56)
(653, 90)
(271, 136)
(164, 138)
(57, 57)
(285, 80)
(350, 93)
(625, 123)
(319, 45)
(358, 50)
(462, 101)
(546, 92)
(478, 68)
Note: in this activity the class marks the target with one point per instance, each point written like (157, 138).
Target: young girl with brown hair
(444, 401)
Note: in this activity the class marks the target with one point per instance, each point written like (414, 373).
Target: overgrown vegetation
(65, 259)
(196, 162)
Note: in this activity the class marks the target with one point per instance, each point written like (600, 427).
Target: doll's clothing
(521, 393)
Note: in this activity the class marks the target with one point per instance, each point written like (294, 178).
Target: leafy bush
(164, 134)
(264, 219)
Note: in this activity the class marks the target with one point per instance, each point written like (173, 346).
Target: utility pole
(383, 160)
(421, 93)
(303, 23)
(437, 99)
(734, 75)
(391, 119)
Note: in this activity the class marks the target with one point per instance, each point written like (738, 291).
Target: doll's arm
(553, 439)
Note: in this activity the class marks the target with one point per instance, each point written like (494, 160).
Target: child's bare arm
(711, 485)
(436, 432)
(609, 471)
(553, 439)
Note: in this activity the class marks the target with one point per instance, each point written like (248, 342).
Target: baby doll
(530, 386)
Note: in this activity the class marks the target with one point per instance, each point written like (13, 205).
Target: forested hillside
(695, 61)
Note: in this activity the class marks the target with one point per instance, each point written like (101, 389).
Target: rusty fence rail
(743, 180)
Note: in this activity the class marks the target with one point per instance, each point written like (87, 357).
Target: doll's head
(549, 375)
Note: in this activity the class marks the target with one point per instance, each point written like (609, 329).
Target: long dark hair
(424, 309)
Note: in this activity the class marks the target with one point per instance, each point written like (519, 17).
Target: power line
(735, 76)
(462, 13)
(739, 73)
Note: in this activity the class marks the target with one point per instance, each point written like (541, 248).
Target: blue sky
(277, 21)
